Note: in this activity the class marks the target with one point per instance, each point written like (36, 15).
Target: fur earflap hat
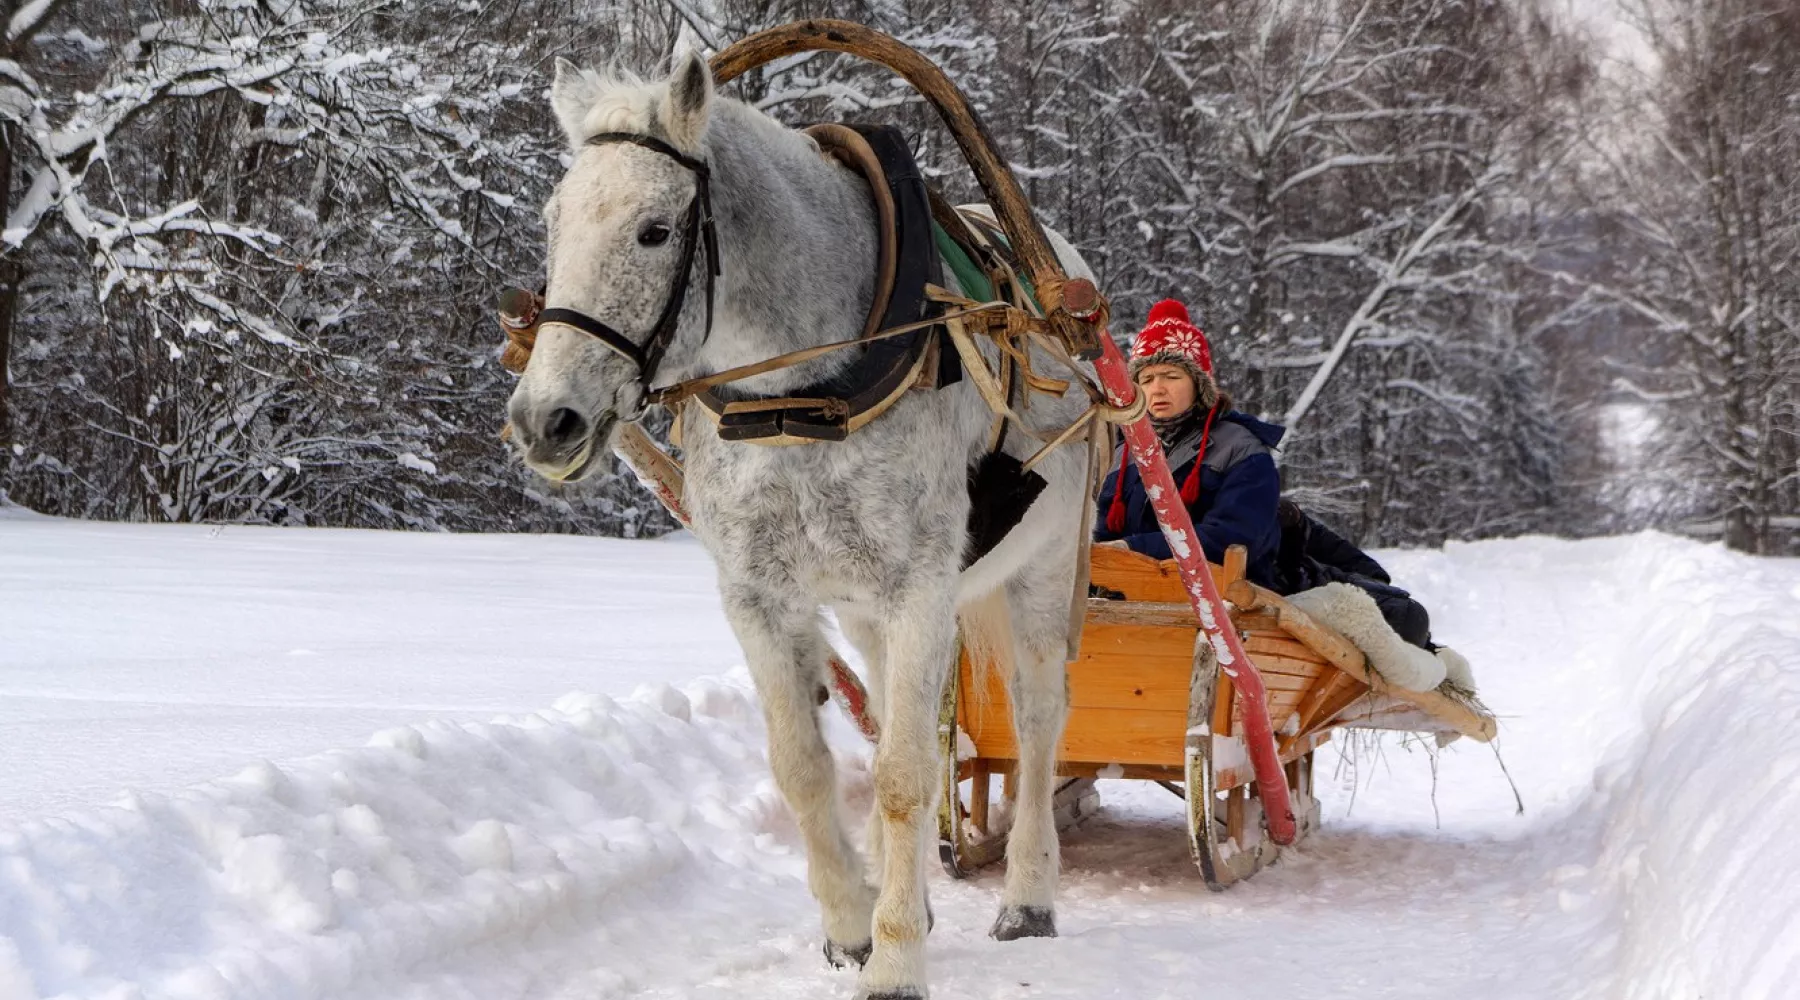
(1169, 337)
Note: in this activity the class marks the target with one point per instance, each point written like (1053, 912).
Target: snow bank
(1701, 854)
(153, 657)
(1649, 692)
(332, 876)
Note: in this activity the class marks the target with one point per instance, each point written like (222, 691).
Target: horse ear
(690, 90)
(572, 95)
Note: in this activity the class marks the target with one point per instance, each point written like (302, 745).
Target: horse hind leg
(865, 635)
(786, 653)
(1039, 692)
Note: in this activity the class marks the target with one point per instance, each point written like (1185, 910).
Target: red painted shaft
(1178, 528)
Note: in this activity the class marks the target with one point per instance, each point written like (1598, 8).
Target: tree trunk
(10, 276)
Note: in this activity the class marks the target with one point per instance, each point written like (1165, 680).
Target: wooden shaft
(658, 473)
(1222, 701)
(1237, 558)
(1242, 593)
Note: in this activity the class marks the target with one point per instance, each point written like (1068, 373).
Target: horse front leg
(1039, 692)
(919, 642)
(786, 654)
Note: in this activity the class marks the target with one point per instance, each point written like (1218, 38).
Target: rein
(696, 228)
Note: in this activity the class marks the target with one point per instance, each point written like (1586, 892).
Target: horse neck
(798, 250)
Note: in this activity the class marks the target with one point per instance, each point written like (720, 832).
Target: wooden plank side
(1136, 733)
(1078, 769)
(1268, 664)
(1124, 643)
(1283, 645)
(1321, 692)
(1112, 735)
(1101, 611)
(1273, 682)
(1159, 684)
(1141, 578)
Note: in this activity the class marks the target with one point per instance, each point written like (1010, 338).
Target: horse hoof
(842, 956)
(1015, 922)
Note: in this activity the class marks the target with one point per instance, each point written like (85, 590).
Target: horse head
(632, 259)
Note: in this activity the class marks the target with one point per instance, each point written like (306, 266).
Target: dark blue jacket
(1239, 490)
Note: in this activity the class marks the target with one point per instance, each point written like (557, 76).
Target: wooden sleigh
(1146, 703)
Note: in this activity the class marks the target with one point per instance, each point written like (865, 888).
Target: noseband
(696, 227)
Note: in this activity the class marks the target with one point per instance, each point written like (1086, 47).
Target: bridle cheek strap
(696, 229)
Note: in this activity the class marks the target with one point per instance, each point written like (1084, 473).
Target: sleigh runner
(1148, 700)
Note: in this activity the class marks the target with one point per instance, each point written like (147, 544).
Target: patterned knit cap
(1169, 337)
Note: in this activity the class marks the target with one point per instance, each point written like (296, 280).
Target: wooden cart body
(1147, 702)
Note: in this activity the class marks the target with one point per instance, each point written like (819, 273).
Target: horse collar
(696, 228)
(907, 260)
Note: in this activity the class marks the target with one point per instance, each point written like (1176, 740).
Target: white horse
(873, 526)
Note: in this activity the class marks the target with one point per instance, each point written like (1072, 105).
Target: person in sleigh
(1221, 459)
(1224, 464)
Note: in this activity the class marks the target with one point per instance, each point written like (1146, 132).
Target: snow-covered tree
(1706, 194)
(251, 246)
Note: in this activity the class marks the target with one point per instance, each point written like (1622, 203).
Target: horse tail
(987, 640)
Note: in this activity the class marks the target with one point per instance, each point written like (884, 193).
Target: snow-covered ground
(154, 658)
(626, 841)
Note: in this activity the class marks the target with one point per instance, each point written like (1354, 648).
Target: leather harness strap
(902, 343)
(848, 147)
(696, 229)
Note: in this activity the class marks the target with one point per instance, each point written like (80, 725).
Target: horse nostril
(564, 426)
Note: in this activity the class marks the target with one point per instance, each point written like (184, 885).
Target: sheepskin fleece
(1456, 669)
(1352, 612)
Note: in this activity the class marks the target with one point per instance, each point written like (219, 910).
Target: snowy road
(633, 845)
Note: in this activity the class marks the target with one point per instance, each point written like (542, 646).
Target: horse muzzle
(562, 445)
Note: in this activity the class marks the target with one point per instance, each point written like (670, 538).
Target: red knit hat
(1169, 337)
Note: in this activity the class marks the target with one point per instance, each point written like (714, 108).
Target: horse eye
(653, 235)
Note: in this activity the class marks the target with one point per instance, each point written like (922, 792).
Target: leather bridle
(696, 227)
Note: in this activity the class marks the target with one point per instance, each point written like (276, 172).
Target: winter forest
(1497, 270)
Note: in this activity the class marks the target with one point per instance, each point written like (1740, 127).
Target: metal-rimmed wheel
(1225, 828)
